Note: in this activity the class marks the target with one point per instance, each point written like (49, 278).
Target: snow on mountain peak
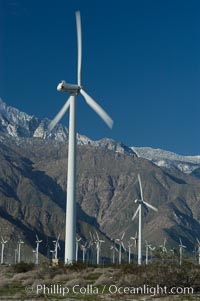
(18, 124)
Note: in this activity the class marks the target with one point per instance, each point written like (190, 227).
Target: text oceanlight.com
(61, 290)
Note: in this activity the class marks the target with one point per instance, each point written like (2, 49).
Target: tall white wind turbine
(74, 90)
(141, 205)
(3, 242)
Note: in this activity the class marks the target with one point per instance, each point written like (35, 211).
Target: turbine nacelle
(69, 88)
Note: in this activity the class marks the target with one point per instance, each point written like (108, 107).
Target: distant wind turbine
(121, 245)
(20, 242)
(198, 250)
(141, 205)
(37, 250)
(114, 250)
(84, 248)
(147, 247)
(135, 239)
(3, 242)
(16, 255)
(98, 243)
(151, 250)
(77, 243)
(74, 90)
(57, 246)
(129, 251)
(163, 247)
(181, 247)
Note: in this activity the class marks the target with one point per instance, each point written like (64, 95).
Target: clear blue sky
(141, 62)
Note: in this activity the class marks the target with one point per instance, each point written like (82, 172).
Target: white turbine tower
(142, 204)
(20, 242)
(129, 251)
(163, 247)
(181, 247)
(147, 247)
(3, 242)
(74, 90)
(151, 250)
(98, 243)
(77, 243)
(84, 248)
(121, 245)
(16, 255)
(135, 239)
(198, 250)
(37, 250)
(57, 246)
(113, 249)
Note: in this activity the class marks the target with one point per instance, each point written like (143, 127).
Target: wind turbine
(77, 242)
(198, 250)
(135, 239)
(181, 247)
(163, 246)
(141, 205)
(57, 245)
(16, 255)
(129, 251)
(152, 249)
(98, 243)
(121, 245)
(37, 250)
(147, 247)
(3, 242)
(84, 248)
(113, 248)
(20, 242)
(74, 90)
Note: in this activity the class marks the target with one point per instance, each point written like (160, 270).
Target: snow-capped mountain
(162, 158)
(18, 124)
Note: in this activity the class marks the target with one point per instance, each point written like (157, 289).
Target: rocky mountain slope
(33, 165)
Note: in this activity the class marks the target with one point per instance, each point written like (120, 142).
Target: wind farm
(96, 215)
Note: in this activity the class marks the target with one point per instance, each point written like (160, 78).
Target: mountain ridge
(33, 172)
(17, 124)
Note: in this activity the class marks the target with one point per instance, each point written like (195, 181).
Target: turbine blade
(79, 43)
(91, 236)
(150, 206)
(140, 183)
(198, 241)
(97, 235)
(122, 235)
(135, 214)
(59, 115)
(123, 246)
(90, 101)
